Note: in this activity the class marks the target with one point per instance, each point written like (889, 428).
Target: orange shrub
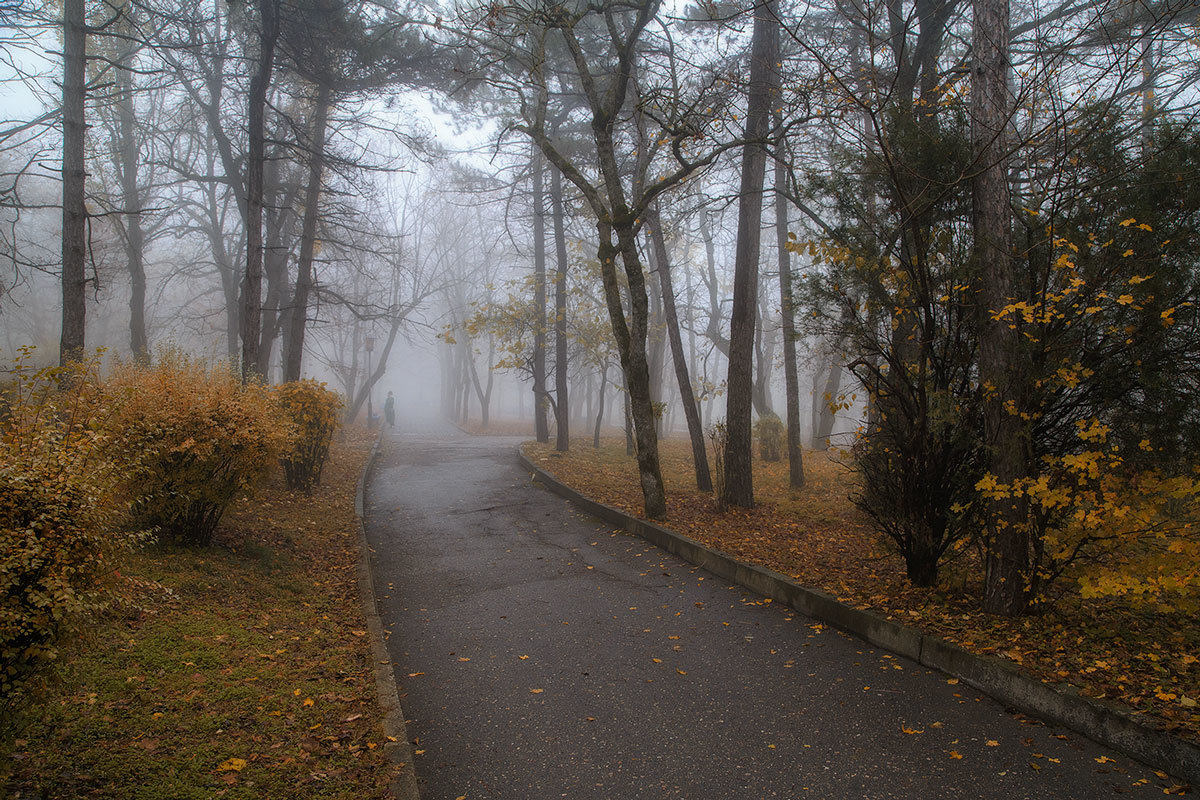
(314, 411)
(190, 438)
(57, 532)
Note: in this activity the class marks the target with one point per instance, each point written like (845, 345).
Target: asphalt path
(541, 654)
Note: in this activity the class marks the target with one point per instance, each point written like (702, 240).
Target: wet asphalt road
(540, 654)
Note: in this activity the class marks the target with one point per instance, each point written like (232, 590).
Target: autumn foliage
(314, 411)
(57, 531)
(190, 437)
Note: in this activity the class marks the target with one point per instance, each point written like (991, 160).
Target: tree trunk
(74, 212)
(562, 441)
(827, 417)
(691, 409)
(134, 238)
(1006, 580)
(541, 425)
(629, 444)
(787, 312)
(280, 225)
(308, 237)
(600, 412)
(764, 83)
(631, 344)
(764, 357)
(251, 303)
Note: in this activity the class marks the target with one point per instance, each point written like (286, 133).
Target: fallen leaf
(955, 754)
(536, 691)
(232, 765)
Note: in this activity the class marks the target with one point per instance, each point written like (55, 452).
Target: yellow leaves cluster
(1139, 527)
(189, 437)
(314, 412)
(58, 529)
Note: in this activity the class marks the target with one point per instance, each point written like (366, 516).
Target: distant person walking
(389, 410)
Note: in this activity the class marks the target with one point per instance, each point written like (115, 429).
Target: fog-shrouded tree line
(956, 239)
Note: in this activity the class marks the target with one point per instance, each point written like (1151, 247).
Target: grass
(1145, 658)
(238, 671)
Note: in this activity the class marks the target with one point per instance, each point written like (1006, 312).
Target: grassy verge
(1146, 658)
(239, 671)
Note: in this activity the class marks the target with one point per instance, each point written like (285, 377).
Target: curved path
(541, 655)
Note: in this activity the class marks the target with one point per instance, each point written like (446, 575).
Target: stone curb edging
(397, 748)
(1122, 730)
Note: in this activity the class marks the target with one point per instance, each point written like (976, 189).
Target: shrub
(314, 411)
(718, 434)
(771, 436)
(57, 536)
(191, 438)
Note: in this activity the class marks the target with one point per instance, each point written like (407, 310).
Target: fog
(424, 185)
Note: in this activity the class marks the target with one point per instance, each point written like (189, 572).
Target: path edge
(397, 747)
(1123, 730)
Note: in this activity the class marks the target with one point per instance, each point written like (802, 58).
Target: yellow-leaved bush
(190, 438)
(1124, 532)
(314, 411)
(58, 532)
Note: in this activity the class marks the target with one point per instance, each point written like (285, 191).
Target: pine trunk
(1006, 578)
(562, 440)
(787, 312)
(764, 82)
(251, 300)
(74, 212)
(298, 319)
(541, 425)
(691, 410)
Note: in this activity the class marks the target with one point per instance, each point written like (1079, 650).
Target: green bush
(771, 437)
(57, 533)
(191, 438)
(314, 411)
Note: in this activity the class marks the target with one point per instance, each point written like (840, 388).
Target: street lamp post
(369, 344)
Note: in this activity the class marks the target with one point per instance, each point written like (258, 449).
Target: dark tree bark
(298, 318)
(540, 423)
(630, 446)
(562, 440)
(691, 409)
(134, 238)
(280, 191)
(1006, 581)
(764, 359)
(251, 302)
(600, 410)
(788, 313)
(764, 84)
(826, 416)
(74, 212)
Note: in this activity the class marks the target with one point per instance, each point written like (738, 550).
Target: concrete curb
(398, 748)
(1121, 729)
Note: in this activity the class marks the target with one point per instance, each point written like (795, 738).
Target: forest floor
(238, 671)
(1146, 658)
